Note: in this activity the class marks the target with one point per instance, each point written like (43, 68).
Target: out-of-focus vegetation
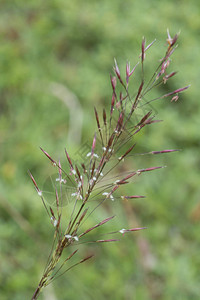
(45, 45)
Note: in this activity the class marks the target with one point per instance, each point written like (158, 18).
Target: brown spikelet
(112, 104)
(60, 169)
(111, 140)
(149, 169)
(137, 96)
(166, 77)
(84, 168)
(57, 200)
(164, 151)
(134, 229)
(34, 182)
(49, 157)
(144, 118)
(98, 125)
(149, 45)
(151, 121)
(78, 172)
(113, 83)
(127, 152)
(52, 213)
(83, 215)
(139, 90)
(107, 241)
(84, 259)
(93, 145)
(97, 225)
(176, 91)
(119, 123)
(126, 178)
(70, 256)
(174, 40)
(132, 197)
(143, 49)
(104, 117)
(93, 168)
(69, 159)
(116, 69)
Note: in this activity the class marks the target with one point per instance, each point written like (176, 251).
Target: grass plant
(95, 179)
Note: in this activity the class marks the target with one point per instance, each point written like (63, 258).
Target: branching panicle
(109, 148)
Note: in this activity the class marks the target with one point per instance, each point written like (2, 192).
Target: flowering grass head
(95, 179)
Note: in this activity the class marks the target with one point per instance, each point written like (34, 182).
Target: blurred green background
(55, 59)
